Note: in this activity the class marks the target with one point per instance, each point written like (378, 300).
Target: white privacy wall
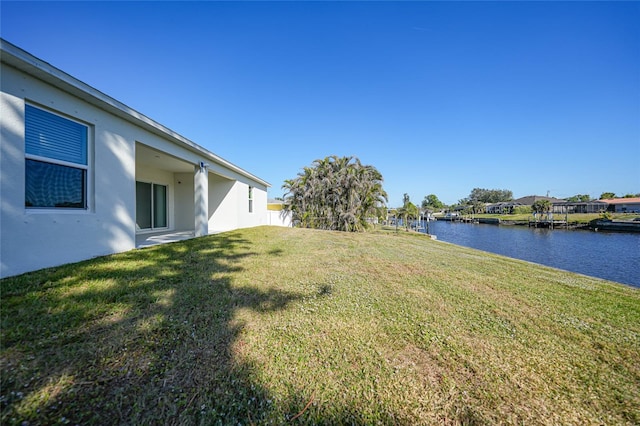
(279, 218)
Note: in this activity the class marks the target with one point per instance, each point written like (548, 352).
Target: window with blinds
(56, 160)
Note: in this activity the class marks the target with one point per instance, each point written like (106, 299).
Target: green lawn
(275, 325)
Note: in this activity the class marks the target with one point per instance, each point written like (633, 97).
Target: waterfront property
(505, 207)
(508, 207)
(624, 205)
(617, 205)
(569, 207)
(84, 175)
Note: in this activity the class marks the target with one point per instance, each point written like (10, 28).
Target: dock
(547, 223)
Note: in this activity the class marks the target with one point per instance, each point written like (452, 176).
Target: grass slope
(270, 325)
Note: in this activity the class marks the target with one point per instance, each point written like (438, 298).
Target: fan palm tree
(541, 206)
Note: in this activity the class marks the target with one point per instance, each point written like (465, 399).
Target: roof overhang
(29, 64)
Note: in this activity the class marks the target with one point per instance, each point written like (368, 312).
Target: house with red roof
(623, 205)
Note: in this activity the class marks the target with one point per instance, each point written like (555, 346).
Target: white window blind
(49, 135)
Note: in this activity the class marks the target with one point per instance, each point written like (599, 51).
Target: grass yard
(276, 325)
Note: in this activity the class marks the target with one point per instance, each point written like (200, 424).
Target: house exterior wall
(229, 204)
(184, 201)
(37, 238)
(222, 214)
(33, 239)
(627, 207)
(259, 215)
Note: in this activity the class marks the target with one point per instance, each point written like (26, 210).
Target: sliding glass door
(151, 205)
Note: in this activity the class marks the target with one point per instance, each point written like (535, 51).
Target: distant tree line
(490, 196)
(583, 198)
(610, 195)
(479, 197)
(579, 198)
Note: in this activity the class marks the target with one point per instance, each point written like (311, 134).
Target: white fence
(278, 218)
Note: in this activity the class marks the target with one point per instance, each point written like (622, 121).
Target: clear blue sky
(441, 97)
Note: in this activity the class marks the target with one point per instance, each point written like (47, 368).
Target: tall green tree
(579, 198)
(337, 193)
(490, 195)
(607, 195)
(431, 202)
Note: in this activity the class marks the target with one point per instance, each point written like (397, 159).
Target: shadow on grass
(143, 337)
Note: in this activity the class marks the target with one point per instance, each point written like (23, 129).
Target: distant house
(507, 207)
(595, 206)
(83, 175)
(529, 200)
(617, 205)
(623, 205)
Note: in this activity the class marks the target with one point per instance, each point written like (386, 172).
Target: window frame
(250, 199)
(86, 168)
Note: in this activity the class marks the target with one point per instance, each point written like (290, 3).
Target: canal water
(608, 255)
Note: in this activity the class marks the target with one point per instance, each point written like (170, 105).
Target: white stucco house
(83, 175)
